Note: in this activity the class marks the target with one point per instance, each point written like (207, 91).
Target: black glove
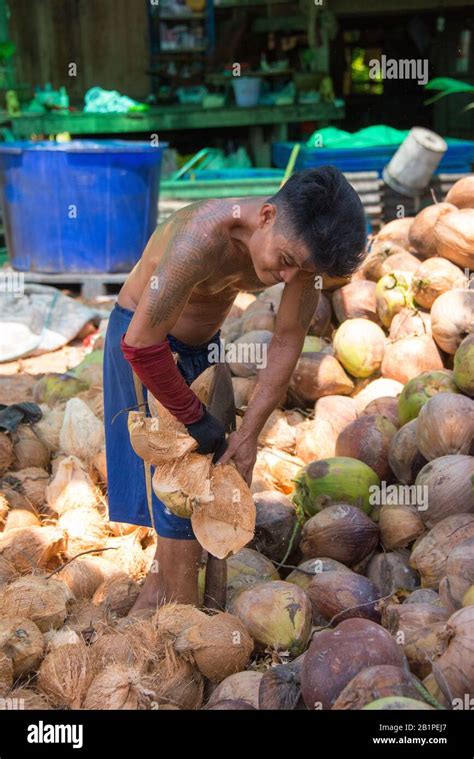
(209, 433)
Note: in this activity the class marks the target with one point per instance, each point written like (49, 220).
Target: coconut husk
(88, 620)
(32, 483)
(447, 483)
(219, 645)
(49, 427)
(28, 450)
(445, 425)
(155, 442)
(452, 318)
(317, 375)
(94, 398)
(277, 432)
(391, 572)
(55, 638)
(182, 482)
(243, 686)
(176, 683)
(71, 487)
(41, 600)
(84, 575)
(422, 231)
(7, 571)
(280, 468)
(374, 683)
(21, 518)
(22, 641)
(280, 687)
(6, 674)
(378, 388)
(4, 507)
(408, 357)
(29, 699)
(6, 453)
(226, 523)
(66, 674)
(243, 387)
(418, 627)
(430, 553)
(121, 688)
(454, 236)
(399, 526)
(133, 647)
(82, 433)
(171, 620)
(404, 458)
(29, 548)
(117, 595)
(85, 528)
(410, 323)
(127, 555)
(460, 572)
(453, 671)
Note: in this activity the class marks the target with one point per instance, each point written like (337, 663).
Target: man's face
(277, 258)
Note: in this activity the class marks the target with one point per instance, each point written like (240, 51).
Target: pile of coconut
(350, 559)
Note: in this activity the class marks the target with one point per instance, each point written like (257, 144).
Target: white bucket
(246, 90)
(411, 168)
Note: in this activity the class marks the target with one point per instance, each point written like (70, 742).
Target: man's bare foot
(151, 595)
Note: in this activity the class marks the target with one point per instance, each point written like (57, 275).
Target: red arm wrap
(157, 370)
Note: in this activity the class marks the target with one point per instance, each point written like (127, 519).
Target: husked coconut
(71, 487)
(422, 231)
(41, 600)
(435, 277)
(452, 318)
(22, 641)
(65, 675)
(28, 450)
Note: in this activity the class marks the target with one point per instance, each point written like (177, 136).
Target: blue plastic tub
(458, 158)
(79, 206)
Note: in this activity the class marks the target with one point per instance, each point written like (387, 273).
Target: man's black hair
(320, 208)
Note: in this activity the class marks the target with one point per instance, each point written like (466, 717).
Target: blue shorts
(125, 470)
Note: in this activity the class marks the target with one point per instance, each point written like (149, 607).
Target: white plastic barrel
(411, 168)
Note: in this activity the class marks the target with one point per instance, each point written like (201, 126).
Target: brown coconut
(430, 553)
(243, 387)
(452, 318)
(357, 299)
(280, 687)
(341, 532)
(32, 483)
(71, 487)
(374, 683)
(6, 674)
(399, 526)
(22, 641)
(461, 193)
(410, 323)
(380, 252)
(397, 231)
(417, 627)
(391, 572)
(276, 524)
(454, 236)
(386, 407)
(277, 432)
(243, 686)
(368, 440)
(404, 457)
(118, 687)
(454, 670)
(43, 601)
(28, 548)
(117, 595)
(317, 375)
(435, 277)
(176, 684)
(406, 358)
(132, 647)
(84, 575)
(460, 572)
(320, 324)
(445, 425)
(422, 231)
(29, 699)
(49, 427)
(6, 453)
(378, 388)
(28, 450)
(342, 595)
(447, 485)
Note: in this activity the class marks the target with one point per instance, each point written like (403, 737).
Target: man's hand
(209, 433)
(242, 450)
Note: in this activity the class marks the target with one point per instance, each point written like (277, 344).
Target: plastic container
(413, 165)
(246, 90)
(79, 206)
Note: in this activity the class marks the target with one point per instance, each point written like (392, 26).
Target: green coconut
(359, 345)
(313, 344)
(90, 367)
(420, 389)
(332, 480)
(55, 388)
(391, 295)
(398, 703)
(464, 366)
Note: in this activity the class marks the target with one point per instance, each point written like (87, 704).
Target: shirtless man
(176, 298)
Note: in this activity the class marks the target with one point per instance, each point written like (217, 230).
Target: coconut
(277, 432)
(85, 528)
(463, 373)
(448, 482)
(400, 263)
(359, 345)
(304, 572)
(119, 687)
(176, 684)
(118, 594)
(56, 388)
(280, 687)
(31, 482)
(71, 487)
(410, 323)
(155, 441)
(317, 375)
(337, 410)
(82, 434)
(252, 345)
(7, 571)
(407, 358)
(276, 614)
(315, 440)
(460, 572)
(422, 231)
(84, 575)
(355, 300)
(221, 527)
(435, 277)
(343, 595)
(391, 573)
(385, 407)
(88, 620)
(6, 453)
(320, 324)
(380, 252)
(424, 596)
(4, 507)
(29, 699)
(420, 389)
(132, 647)
(49, 427)
(22, 641)
(399, 525)
(452, 318)
(6, 674)
(468, 599)
(279, 469)
(43, 601)
(445, 425)
(275, 524)
(55, 638)
(430, 553)
(28, 548)
(243, 686)
(341, 532)
(332, 480)
(374, 683)
(454, 671)
(397, 231)
(21, 518)
(262, 318)
(180, 483)
(378, 388)
(430, 684)
(248, 567)
(368, 439)
(454, 237)
(243, 387)
(219, 645)
(461, 194)
(398, 703)
(28, 450)
(392, 294)
(336, 656)
(172, 619)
